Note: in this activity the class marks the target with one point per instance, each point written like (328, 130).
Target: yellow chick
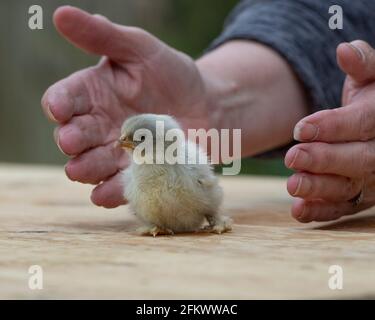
(169, 198)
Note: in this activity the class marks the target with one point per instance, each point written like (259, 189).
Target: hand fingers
(110, 193)
(350, 123)
(357, 59)
(84, 132)
(69, 96)
(352, 159)
(96, 34)
(325, 187)
(319, 210)
(96, 165)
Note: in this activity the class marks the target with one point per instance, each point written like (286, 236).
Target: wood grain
(90, 252)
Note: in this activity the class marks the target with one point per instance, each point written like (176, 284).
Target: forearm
(251, 87)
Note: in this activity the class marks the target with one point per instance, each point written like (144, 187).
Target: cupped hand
(137, 74)
(336, 160)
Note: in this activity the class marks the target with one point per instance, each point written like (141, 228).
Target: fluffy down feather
(172, 198)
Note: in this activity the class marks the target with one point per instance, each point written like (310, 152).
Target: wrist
(246, 85)
(217, 93)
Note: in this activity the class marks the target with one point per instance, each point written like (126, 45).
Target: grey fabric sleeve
(299, 31)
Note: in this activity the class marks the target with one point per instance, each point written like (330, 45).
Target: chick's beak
(125, 142)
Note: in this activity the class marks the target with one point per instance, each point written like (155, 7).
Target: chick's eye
(143, 138)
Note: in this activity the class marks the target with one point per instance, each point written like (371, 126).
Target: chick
(170, 198)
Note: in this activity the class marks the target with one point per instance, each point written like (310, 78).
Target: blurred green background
(31, 60)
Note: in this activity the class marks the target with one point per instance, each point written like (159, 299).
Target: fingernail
(56, 135)
(300, 160)
(50, 114)
(358, 51)
(62, 151)
(303, 186)
(298, 209)
(57, 140)
(301, 215)
(68, 173)
(305, 131)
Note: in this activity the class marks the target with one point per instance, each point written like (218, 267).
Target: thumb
(96, 34)
(357, 60)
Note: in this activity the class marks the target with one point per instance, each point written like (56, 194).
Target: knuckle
(101, 17)
(309, 188)
(370, 160)
(138, 33)
(317, 156)
(333, 117)
(320, 187)
(321, 157)
(366, 122)
(365, 158)
(308, 212)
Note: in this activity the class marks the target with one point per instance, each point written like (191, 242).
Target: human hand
(336, 160)
(137, 74)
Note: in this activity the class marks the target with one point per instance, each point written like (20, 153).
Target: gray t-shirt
(299, 31)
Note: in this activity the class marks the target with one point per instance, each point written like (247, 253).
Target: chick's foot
(154, 231)
(218, 224)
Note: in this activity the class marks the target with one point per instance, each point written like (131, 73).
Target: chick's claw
(219, 225)
(221, 228)
(154, 231)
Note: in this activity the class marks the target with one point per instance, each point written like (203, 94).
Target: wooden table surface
(90, 252)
